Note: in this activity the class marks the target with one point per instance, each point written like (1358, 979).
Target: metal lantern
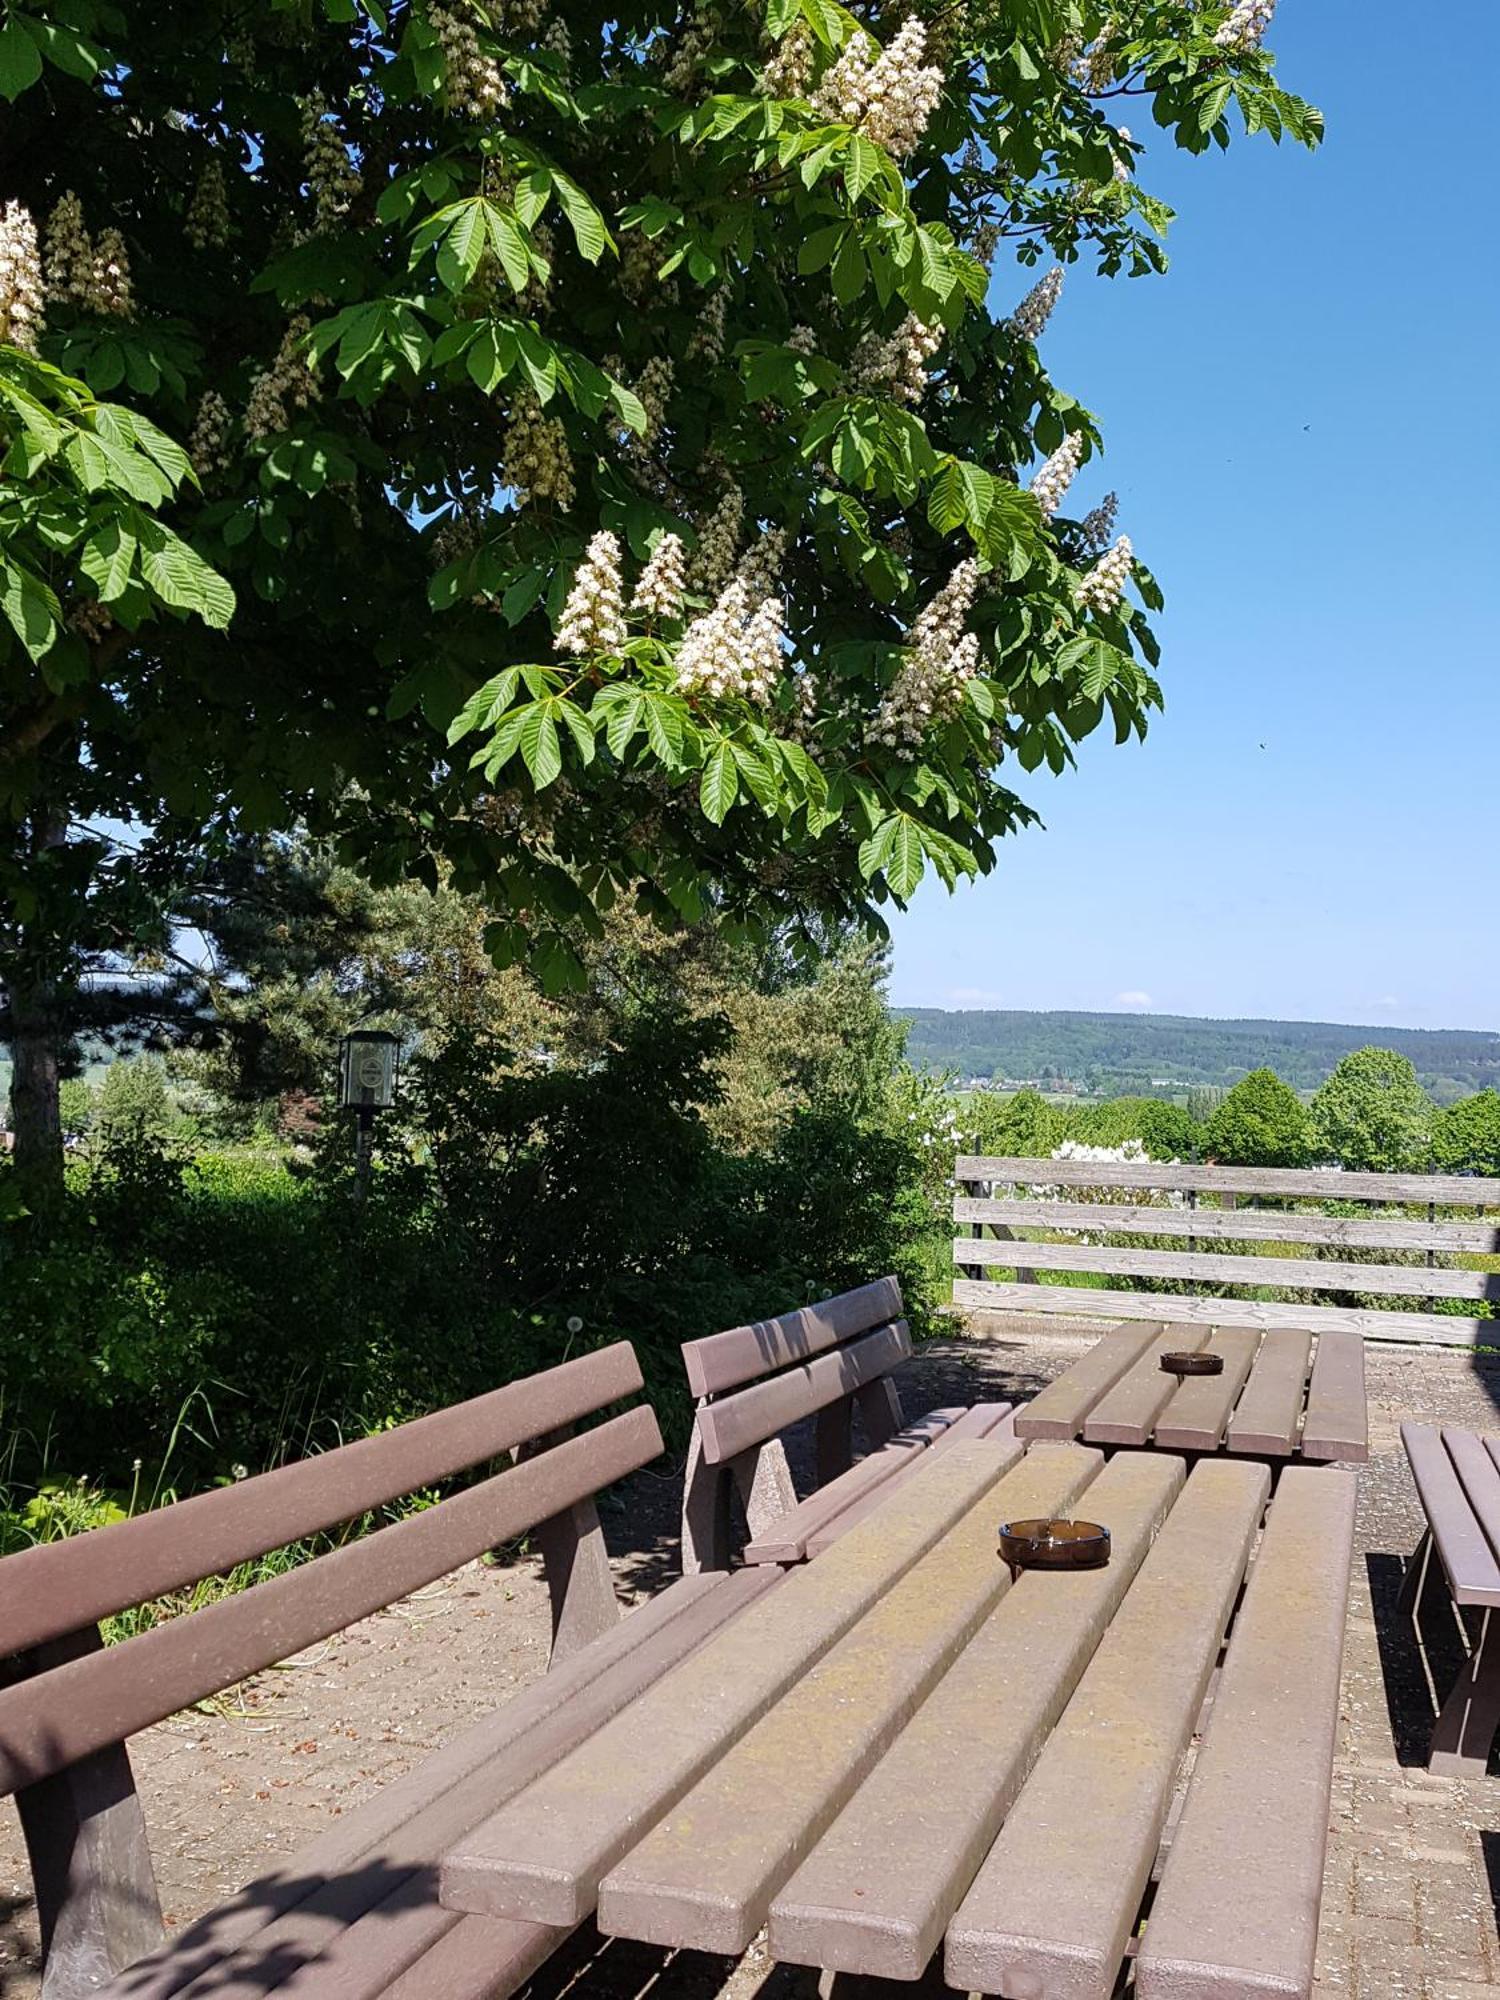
(369, 1060)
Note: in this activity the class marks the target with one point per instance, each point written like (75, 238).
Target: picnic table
(895, 1748)
(1281, 1394)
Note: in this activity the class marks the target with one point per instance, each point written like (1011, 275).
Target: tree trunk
(37, 1036)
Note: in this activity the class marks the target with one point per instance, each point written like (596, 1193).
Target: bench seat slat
(726, 1360)
(1236, 1911)
(48, 1591)
(703, 1878)
(1058, 1894)
(1467, 1557)
(786, 1541)
(932, 1801)
(981, 1420)
(478, 1958)
(1059, 1410)
(542, 1856)
(1268, 1415)
(301, 1905)
(55, 1718)
(1337, 1424)
(1200, 1408)
(1127, 1413)
(750, 1416)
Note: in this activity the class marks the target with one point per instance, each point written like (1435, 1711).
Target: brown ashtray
(1053, 1545)
(1193, 1364)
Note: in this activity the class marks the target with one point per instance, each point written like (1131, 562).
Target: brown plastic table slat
(55, 1718)
(1337, 1424)
(1480, 1478)
(751, 1416)
(785, 1541)
(1127, 1413)
(340, 1895)
(1058, 1410)
(932, 1801)
(704, 1876)
(981, 1420)
(1269, 1411)
(1057, 1897)
(1457, 1533)
(1236, 1913)
(1196, 1417)
(542, 1856)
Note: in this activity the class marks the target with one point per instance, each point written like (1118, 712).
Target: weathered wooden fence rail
(987, 1199)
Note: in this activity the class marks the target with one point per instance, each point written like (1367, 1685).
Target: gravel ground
(1414, 1862)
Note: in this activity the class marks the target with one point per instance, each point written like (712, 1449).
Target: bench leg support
(765, 1485)
(879, 1411)
(95, 1890)
(1465, 1729)
(705, 1512)
(1414, 1578)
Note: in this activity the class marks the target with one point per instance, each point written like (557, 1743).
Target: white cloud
(974, 996)
(1132, 998)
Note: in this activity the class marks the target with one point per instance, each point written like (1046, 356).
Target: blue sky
(1303, 424)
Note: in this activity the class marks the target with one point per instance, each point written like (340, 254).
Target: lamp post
(369, 1062)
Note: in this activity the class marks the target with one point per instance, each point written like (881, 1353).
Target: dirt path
(1408, 1904)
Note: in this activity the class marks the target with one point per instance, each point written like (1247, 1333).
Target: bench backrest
(73, 1698)
(828, 1360)
(1220, 1243)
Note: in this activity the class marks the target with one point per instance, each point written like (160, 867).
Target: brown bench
(833, 1361)
(1458, 1482)
(357, 1913)
(1219, 1244)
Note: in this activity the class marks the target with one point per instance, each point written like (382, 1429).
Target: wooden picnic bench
(1457, 1474)
(1220, 1244)
(897, 1746)
(834, 1361)
(1282, 1394)
(356, 1914)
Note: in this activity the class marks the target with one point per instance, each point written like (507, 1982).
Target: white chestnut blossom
(593, 618)
(70, 253)
(1122, 158)
(1097, 525)
(1055, 475)
(110, 292)
(558, 42)
(896, 366)
(1245, 26)
(718, 543)
(207, 224)
(653, 388)
(332, 178)
(707, 339)
(286, 386)
(787, 71)
(1030, 317)
(209, 444)
(889, 93)
(1104, 585)
(802, 340)
(473, 82)
(21, 307)
(941, 660)
(659, 590)
(735, 649)
(759, 569)
(535, 459)
(696, 42)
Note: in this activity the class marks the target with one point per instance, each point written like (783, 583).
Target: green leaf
(31, 607)
(588, 224)
(539, 744)
(20, 61)
(664, 717)
(181, 578)
(107, 558)
(462, 247)
(720, 784)
(509, 246)
(861, 166)
(579, 727)
(904, 864)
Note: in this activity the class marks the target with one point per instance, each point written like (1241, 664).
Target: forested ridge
(1110, 1052)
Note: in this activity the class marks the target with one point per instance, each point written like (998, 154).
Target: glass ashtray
(1053, 1545)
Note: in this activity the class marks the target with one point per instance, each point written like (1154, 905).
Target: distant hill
(1116, 1053)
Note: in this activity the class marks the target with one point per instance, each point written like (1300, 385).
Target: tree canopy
(1261, 1122)
(1372, 1115)
(604, 467)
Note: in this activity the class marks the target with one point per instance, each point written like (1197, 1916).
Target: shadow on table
(1415, 1678)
